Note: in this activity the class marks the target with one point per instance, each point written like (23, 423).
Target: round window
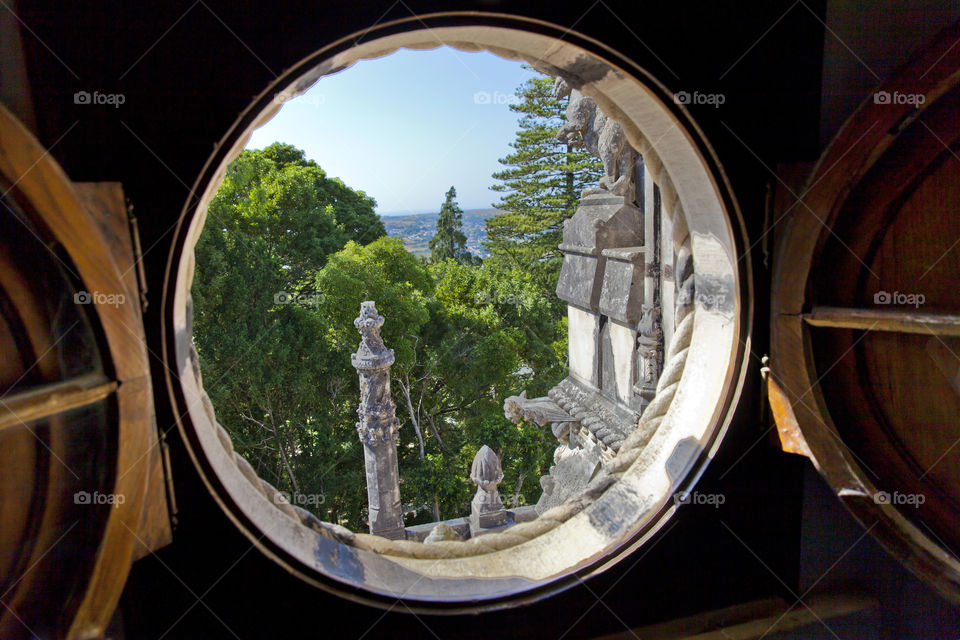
(659, 302)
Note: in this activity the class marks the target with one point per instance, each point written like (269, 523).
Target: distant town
(416, 230)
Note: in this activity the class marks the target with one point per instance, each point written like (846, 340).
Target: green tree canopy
(540, 186)
(271, 227)
(278, 195)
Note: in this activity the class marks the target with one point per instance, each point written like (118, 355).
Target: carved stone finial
(487, 509)
(486, 471)
(372, 353)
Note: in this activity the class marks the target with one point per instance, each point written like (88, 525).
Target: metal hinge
(168, 478)
(137, 256)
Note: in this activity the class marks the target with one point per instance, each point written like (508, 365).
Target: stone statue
(602, 136)
(487, 509)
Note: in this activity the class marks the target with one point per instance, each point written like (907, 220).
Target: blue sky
(406, 127)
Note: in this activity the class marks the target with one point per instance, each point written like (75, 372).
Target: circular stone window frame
(639, 503)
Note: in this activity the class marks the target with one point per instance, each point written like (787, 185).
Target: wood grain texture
(877, 219)
(89, 222)
(931, 324)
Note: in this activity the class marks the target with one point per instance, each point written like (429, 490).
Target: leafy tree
(272, 226)
(540, 186)
(449, 241)
(278, 195)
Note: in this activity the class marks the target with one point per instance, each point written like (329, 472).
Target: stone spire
(378, 425)
(487, 509)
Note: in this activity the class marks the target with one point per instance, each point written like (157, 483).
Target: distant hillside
(416, 230)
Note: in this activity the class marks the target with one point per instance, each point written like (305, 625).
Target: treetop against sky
(404, 127)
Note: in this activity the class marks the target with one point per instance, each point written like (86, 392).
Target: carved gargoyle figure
(540, 411)
(602, 136)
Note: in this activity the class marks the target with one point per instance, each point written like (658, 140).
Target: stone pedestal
(378, 426)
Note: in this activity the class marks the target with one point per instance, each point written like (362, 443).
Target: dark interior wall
(188, 69)
(867, 41)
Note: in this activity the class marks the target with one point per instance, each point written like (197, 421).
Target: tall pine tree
(449, 241)
(541, 185)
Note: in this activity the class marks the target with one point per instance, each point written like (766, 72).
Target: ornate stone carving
(487, 509)
(602, 136)
(649, 352)
(378, 425)
(540, 411)
(372, 361)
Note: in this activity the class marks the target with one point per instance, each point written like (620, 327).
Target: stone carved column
(650, 351)
(487, 509)
(378, 425)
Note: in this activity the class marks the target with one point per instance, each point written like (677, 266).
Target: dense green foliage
(274, 222)
(540, 186)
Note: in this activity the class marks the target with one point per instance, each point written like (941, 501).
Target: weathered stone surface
(622, 290)
(581, 279)
(540, 411)
(486, 509)
(583, 344)
(604, 420)
(650, 348)
(618, 370)
(602, 221)
(378, 425)
(571, 473)
(440, 533)
(419, 532)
